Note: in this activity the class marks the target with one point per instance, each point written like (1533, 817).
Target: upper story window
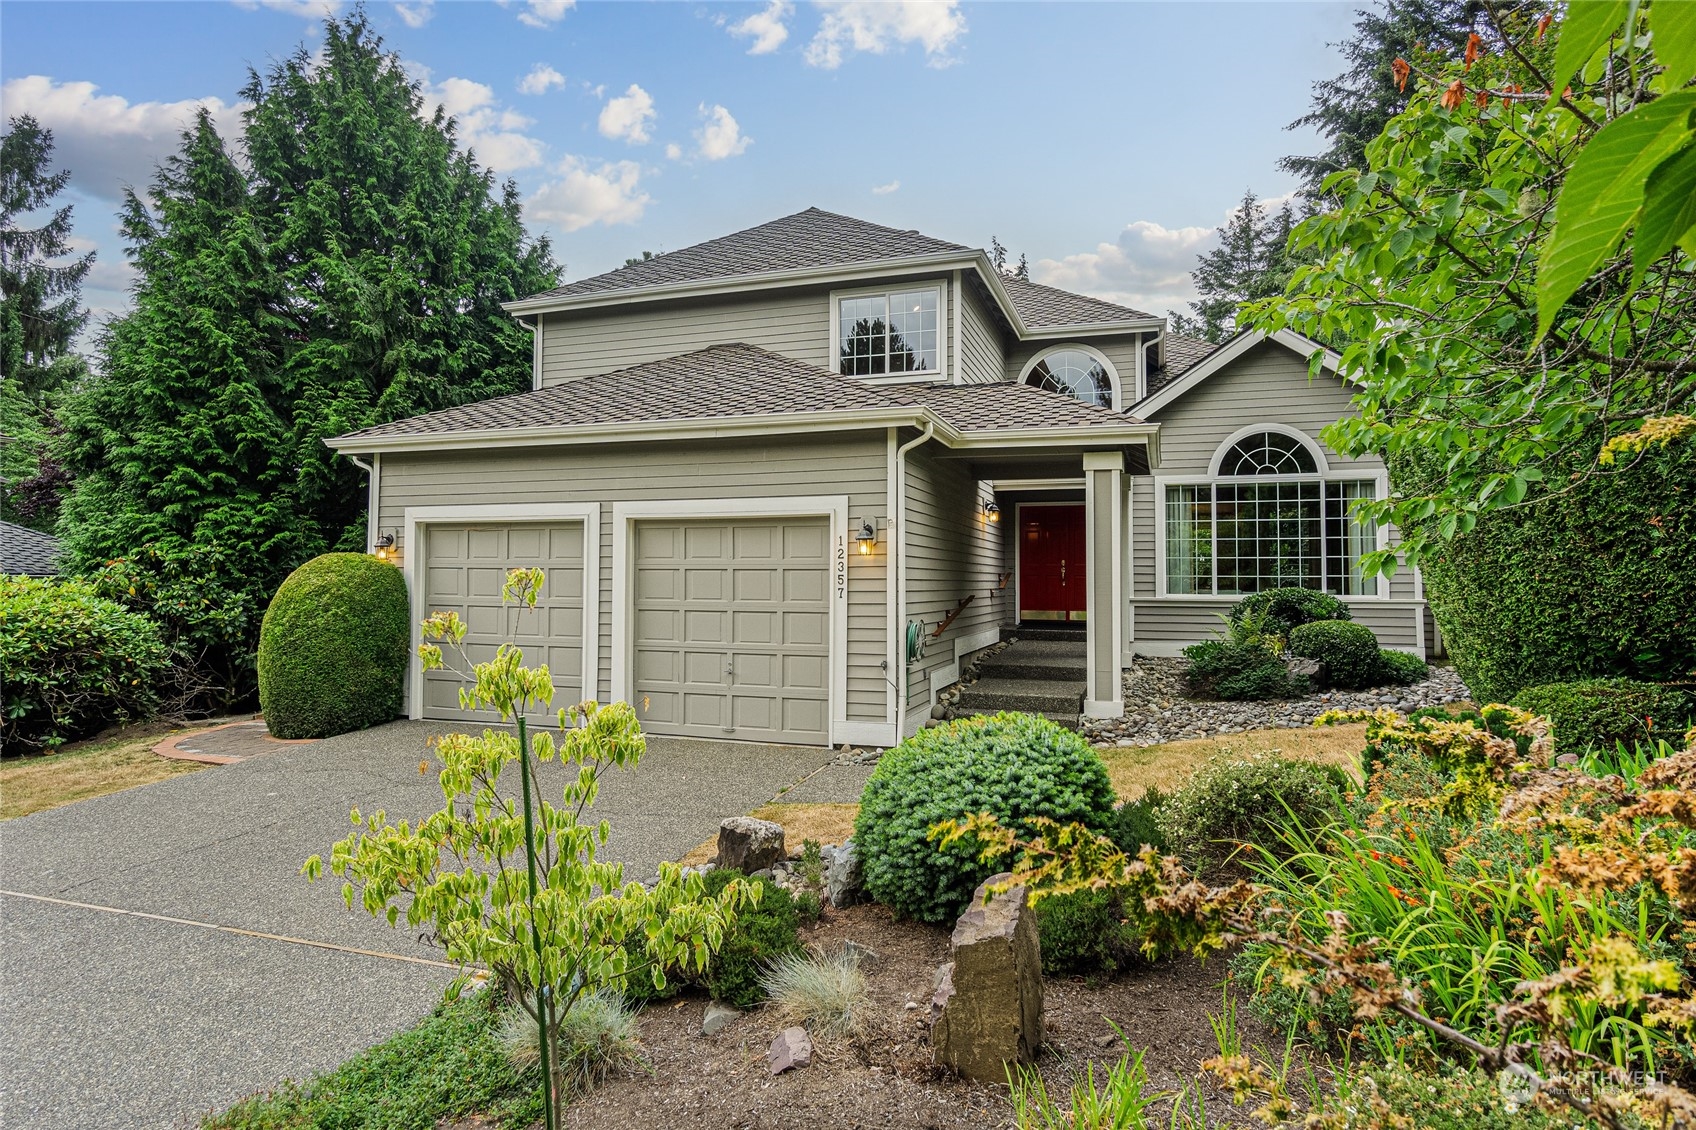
(1078, 373)
(1270, 514)
(895, 332)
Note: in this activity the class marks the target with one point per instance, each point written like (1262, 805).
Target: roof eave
(1127, 433)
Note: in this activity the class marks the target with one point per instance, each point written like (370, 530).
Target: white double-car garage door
(729, 633)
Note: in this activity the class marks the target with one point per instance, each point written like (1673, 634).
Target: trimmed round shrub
(1349, 652)
(759, 935)
(1232, 801)
(1281, 611)
(1400, 668)
(1237, 672)
(333, 647)
(1014, 766)
(71, 663)
(1600, 712)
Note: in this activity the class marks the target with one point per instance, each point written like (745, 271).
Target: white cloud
(886, 189)
(719, 136)
(416, 15)
(608, 194)
(878, 25)
(106, 140)
(628, 116)
(544, 13)
(1146, 268)
(766, 28)
(306, 9)
(541, 79)
(495, 133)
(673, 151)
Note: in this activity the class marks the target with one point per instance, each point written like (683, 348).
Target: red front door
(1051, 562)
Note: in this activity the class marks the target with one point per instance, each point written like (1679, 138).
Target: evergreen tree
(1352, 109)
(1252, 261)
(349, 272)
(41, 313)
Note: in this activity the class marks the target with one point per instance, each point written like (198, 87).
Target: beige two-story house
(785, 482)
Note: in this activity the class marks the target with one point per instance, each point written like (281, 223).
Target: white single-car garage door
(465, 570)
(732, 628)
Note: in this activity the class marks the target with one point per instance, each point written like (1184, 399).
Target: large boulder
(844, 878)
(748, 845)
(987, 1009)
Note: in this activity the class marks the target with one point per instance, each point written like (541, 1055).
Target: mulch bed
(887, 1078)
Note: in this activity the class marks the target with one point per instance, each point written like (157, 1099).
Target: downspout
(371, 502)
(900, 624)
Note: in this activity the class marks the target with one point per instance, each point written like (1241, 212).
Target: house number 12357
(841, 566)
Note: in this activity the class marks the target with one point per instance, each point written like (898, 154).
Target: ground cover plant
(71, 663)
(333, 647)
(1017, 766)
(514, 885)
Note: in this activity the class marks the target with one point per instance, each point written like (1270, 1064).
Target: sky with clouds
(1104, 141)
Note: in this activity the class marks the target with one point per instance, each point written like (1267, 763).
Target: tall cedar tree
(351, 275)
(1350, 110)
(1251, 262)
(41, 313)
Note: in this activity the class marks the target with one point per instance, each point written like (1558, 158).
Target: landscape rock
(792, 1048)
(939, 711)
(844, 878)
(1303, 672)
(987, 1007)
(748, 845)
(717, 1017)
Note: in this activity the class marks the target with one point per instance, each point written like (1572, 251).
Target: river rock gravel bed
(1158, 710)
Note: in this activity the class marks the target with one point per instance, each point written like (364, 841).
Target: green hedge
(1349, 652)
(1015, 766)
(71, 663)
(1598, 581)
(1601, 712)
(333, 647)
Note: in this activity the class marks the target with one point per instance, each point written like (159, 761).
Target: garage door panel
(465, 570)
(736, 656)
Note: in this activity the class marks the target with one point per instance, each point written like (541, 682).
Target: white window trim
(417, 518)
(1379, 477)
(625, 515)
(1100, 358)
(943, 316)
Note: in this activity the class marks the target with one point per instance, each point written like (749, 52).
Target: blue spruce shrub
(1014, 766)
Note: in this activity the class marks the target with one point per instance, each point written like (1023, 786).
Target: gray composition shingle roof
(27, 552)
(816, 238)
(1181, 354)
(728, 381)
(813, 238)
(1043, 306)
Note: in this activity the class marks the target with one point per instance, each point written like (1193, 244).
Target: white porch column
(1104, 547)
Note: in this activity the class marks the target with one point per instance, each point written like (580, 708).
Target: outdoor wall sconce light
(991, 511)
(867, 536)
(386, 547)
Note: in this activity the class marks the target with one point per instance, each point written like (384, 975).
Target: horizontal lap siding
(953, 551)
(854, 465)
(982, 359)
(793, 323)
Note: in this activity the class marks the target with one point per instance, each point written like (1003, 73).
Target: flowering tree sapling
(513, 885)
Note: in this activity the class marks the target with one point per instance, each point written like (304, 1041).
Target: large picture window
(1269, 521)
(897, 332)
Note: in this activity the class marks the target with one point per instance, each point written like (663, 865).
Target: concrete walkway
(123, 1005)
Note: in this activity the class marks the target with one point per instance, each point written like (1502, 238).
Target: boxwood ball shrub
(1014, 766)
(71, 663)
(333, 647)
(1236, 800)
(1348, 651)
(1281, 611)
(1237, 672)
(1601, 712)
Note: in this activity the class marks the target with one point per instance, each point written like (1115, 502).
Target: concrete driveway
(123, 1005)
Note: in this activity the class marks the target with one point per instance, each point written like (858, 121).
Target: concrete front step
(1069, 721)
(1028, 633)
(1047, 660)
(1039, 696)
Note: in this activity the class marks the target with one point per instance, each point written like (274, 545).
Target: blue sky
(1103, 140)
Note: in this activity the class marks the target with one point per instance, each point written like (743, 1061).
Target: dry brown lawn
(826, 823)
(87, 769)
(1168, 766)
